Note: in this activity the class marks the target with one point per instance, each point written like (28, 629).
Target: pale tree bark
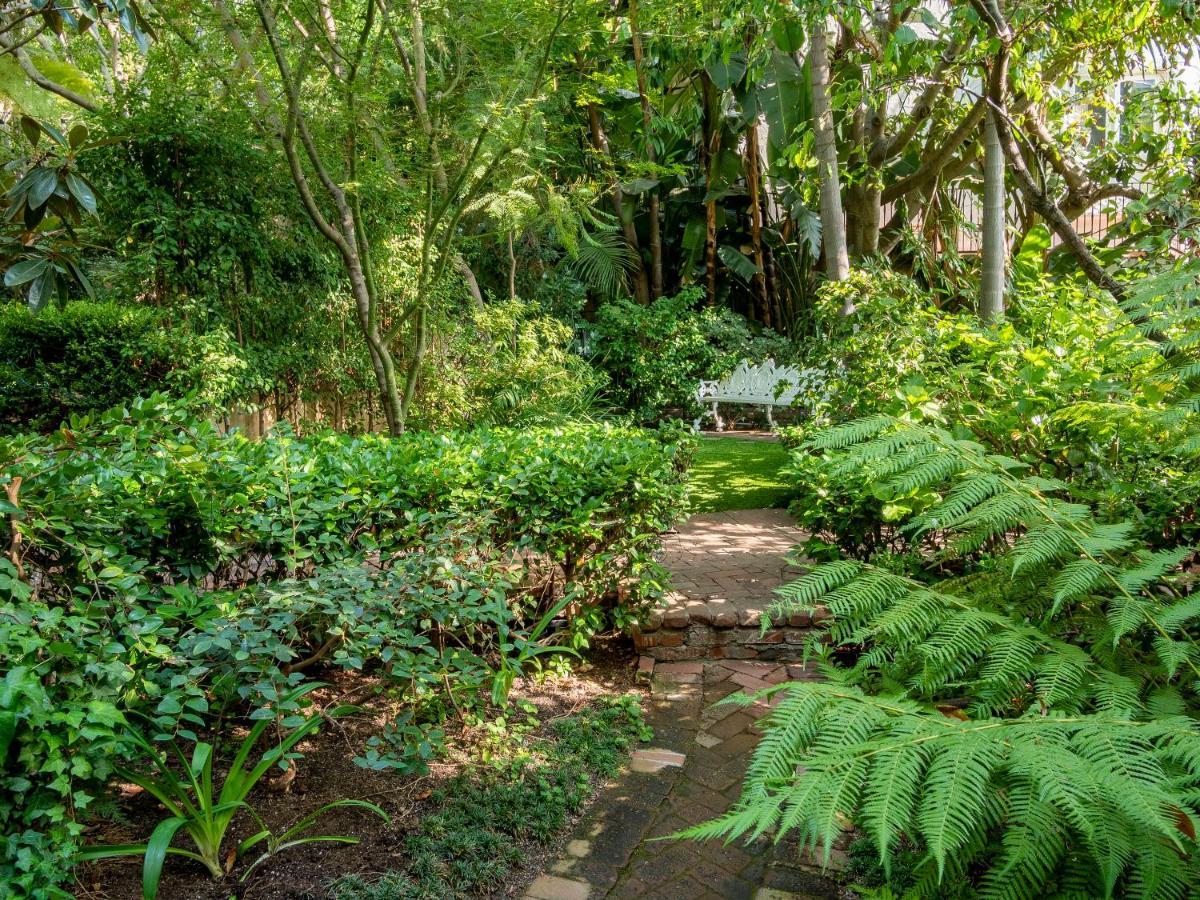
(995, 247)
(1038, 199)
(833, 222)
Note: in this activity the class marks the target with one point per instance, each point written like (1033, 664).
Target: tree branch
(42, 81)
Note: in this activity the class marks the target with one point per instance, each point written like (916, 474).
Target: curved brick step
(725, 568)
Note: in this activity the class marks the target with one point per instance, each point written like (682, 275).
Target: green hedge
(178, 573)
(91, 356)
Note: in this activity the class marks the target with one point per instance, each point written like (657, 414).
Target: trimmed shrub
(171, 571)
(90, 356)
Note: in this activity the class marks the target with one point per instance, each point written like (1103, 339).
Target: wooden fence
(356, 414)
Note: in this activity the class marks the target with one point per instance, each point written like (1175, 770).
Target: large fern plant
(1020, 712)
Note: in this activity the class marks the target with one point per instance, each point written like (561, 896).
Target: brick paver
(724, 570)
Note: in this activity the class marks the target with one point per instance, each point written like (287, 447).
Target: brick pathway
(722, 563)
(691, 774)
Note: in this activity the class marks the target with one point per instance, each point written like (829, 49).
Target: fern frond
(1044, 789)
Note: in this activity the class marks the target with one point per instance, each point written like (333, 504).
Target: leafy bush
(182, 574)
(90, 356)
(1067, 383)
(469, 843)
(655, 355)
(507, 365)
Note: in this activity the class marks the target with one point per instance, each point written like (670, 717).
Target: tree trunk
(656, 261)
(994, 251)
(710, 145)
(756, 224)
(343, 230)
(1038, 199)
(512, 269)
(641, 284)
(833, 222)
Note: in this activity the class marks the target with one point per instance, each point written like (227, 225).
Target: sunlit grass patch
(732, 473)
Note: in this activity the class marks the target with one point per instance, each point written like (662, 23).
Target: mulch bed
(327, 773)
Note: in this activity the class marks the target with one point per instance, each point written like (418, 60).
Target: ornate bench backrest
(763, 383)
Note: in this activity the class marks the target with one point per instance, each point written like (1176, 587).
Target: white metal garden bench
(765, 384)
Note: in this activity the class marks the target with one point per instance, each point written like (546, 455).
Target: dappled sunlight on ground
(730, 473)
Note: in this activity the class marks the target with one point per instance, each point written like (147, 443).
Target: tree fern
(1033, 737)
(1019, 800)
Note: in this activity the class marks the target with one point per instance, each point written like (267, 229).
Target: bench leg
(717, 417)
(770, 418)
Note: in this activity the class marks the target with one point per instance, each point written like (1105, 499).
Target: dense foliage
(90, 356)
(1012, 696)
(165, 573)
(655, 355)
(525, 793)
(975, 223)
(680, 151)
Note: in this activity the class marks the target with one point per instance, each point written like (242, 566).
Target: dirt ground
(327, 773)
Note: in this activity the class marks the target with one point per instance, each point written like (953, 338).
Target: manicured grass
(728, 473)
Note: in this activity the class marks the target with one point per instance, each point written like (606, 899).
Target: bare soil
(327, 773)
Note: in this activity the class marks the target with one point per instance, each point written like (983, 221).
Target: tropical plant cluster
(1011, 585)
(340, 192)
(160, 576)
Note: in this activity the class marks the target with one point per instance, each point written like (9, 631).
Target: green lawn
(729, 473)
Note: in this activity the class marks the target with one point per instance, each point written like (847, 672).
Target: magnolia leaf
(42, 183)
(25, 271)
(42, 289)
(82, 192)
(31, 129)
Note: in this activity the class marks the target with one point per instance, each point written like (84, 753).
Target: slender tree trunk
(512, 269)
(995, 249)
(656, 253)
(833, 221)
(753, 181)
(641, 283)
(710, 145)
(1038, 199)
(342, 230)
(416, 67)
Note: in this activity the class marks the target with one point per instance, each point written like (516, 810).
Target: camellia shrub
(89, 356)
(160, 572)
